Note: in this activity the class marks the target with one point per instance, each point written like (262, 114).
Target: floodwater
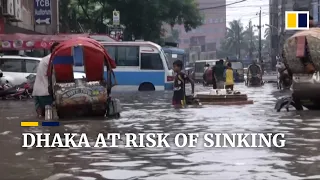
(151, 112)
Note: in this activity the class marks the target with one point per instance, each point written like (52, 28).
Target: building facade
(277, 21)
(208, 36)
(26, 21)
(316, 11)
(273, 22)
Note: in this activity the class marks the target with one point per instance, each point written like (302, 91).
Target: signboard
(77, 91)
(42, 12)
(82, 96)
(116, 17)
(25, 41)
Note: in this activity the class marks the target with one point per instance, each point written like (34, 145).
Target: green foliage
(142, 19)
(174, 36)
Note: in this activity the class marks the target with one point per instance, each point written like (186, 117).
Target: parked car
(16, 68)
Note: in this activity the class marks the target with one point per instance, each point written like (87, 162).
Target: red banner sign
(28, 41)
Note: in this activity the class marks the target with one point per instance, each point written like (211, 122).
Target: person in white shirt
(41, 85)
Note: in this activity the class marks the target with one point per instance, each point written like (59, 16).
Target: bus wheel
(146, 87)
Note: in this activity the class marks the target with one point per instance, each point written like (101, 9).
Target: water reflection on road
(151, 112)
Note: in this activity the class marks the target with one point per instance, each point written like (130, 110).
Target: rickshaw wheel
(117, 115)
(59, 115)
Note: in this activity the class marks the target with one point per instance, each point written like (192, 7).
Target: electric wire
(225, 5)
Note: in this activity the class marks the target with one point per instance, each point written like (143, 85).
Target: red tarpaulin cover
(20, 41)
(94, 56)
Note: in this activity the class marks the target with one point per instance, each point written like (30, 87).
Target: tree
(224, 52)
(251, 39)
(174, 36)
(142, 19)
(67, 19)
(82, 16)
(234, 40)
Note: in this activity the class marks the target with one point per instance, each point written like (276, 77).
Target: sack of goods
(301, 51)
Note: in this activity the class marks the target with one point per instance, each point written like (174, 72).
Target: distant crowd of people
(222, 76)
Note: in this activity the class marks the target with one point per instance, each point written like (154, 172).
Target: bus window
(127, 56)
(151, 61)
(237, 65)
(111, 50)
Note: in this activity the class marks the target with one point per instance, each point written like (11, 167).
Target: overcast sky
(247, 10)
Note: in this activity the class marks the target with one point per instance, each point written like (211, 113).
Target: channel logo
(297, 20)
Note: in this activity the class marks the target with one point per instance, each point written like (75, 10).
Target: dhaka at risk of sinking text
(154, 140)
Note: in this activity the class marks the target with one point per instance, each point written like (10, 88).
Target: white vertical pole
(58, 18)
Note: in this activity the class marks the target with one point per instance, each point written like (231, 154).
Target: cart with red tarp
(88, 95)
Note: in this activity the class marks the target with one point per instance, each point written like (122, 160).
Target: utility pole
(251, 39)
(58, 17)
(260, 48)
(238, 44)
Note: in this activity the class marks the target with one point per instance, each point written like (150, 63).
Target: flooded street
(152, 112)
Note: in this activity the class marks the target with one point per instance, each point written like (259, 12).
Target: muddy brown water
(151, 112)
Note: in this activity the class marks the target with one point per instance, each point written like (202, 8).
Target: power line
(214, 7)
(249, 6)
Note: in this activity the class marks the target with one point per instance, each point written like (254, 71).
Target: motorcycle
(284, 80)
(22, 91)
(254, 76)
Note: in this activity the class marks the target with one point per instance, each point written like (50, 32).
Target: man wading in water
(179, 86)
(41, 85)
(218, 73)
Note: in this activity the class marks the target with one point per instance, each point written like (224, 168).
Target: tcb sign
(43, 3)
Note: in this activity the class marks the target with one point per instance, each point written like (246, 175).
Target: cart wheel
(297, 106)
(59, 115)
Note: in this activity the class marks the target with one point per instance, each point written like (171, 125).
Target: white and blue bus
(173, 54)
(141, 66)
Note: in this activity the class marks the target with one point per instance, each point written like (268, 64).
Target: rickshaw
(88, 95)
(254, 78)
